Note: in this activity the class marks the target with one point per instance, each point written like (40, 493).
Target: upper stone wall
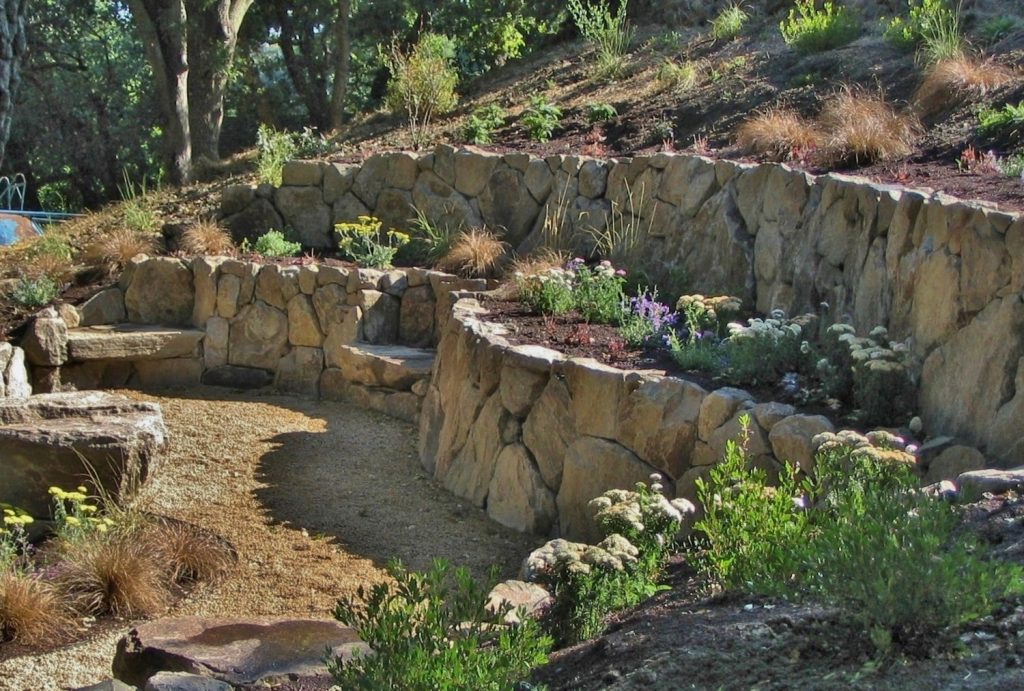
(946, 274)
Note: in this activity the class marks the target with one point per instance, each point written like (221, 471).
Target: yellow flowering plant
(76, 514)
(13, 539)
(365, 243)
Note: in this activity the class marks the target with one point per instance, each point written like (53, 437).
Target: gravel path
(315, 496)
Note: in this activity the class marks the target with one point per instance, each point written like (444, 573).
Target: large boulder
(241, 652)
(259, 337)
(161, 292)
(67, 439)
(46, 340)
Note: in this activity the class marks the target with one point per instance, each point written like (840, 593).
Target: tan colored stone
(380, 314)
(307, 278)
(332, 275)
(505, 202)
(303, 327)
(259, 337)
(416, 317)
(302, 173)
(976, 482)
(46, 340)
(791, 439)
(132, 342)
(659, 423)
(268, 287)
(394, 367)
(524, 375)
(370, 179)
(228, 289)
(717, 407)
(771, 413)
(204, 279)
(548, 431)
(364, 279)
(340, 334)
(757, 444)
(686, 487)
(517, 497)
(16, 381)
(1006, 433)
(518, 595)
(173, 373)
(305, 212)
(953, 462)
(403, 405)
(473, 169)
(596, 392)
(161, 292)
(105, 307)
(338, 179)
(215, 344)
(470, 472)
(593, 466)
(298, 372)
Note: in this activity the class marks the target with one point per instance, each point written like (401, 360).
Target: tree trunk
(12, 50)
(305, 76)
(342, 62)
(162, 28)
(212, 39)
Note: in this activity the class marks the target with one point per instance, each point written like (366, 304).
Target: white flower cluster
(880, 445)
(613, 553)
(775, 328)
(604, 270)
(562, 277)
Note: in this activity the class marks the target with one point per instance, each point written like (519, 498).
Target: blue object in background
(14, 228)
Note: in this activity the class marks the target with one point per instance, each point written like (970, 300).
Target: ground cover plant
(854, 533)
(273, 243)
(808, 29)
(609, 32)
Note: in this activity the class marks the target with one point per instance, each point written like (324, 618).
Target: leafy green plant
(810, 30)
(1012, 166)
(431, 241)
(367, 244)
(479, 128)
(135, 209)
(14, 544)
(76, 515)
(541, 118)
(998, 28)
(1007, 120)
(729, 22)
(929, 25)
(433, 631)
(763, 350)
(601, 112)
(645, 320)
(609, 32)
(51, 244)
(597, 292)
(274, 148)
(547, 292)
(32, 292)
(423, 82)
(695, 353)
(273, 243)
(625, 229)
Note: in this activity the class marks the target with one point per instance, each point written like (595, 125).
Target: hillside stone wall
(533, 436)
(946, 274)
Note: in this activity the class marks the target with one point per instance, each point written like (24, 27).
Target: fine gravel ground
(316, 497)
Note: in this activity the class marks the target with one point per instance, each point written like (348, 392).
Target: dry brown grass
(207, 237)
(116, 574)
(861, 128)
(779, 133)
(541, 259)
(476, 253)
(115, 249)
(31, 611)
(187, 552)
(949, 82)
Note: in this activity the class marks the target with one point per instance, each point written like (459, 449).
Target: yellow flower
(71, 520)
(87, 508)
(82, 489)
(102, 527)
(56, 491)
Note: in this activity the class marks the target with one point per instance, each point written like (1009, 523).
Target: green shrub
(597, 292)
(430, 241)
(729, 23)
(365, 243)
(434, 631)
(763, 351)
(931, 25)
(601, 112)
(810, 30)
(998, 28)
(610, 33)
(1013, 166)
(423, 82)
(479, 128)
(51, 245)
(1008, 120)
(274, 244)
(548, 292)
(541, 118)
(34, 292)
(695, 354)
(273, 149)
(645, 320)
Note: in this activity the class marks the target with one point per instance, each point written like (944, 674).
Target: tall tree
(342, 64)
(12, 51)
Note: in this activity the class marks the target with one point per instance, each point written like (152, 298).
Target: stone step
(132, 342)
(391, 366)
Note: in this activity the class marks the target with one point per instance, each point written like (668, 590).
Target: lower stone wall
(533, 436)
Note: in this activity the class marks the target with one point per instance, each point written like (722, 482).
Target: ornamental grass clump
(780, 134)
(435, 630)
(31, 611)
(861, 128)
(475, 253)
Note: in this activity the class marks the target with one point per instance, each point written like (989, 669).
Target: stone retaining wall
(948, 275)
(314, 330)
(533, 436)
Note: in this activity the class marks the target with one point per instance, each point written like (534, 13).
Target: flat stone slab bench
(389, 366)
(132, 342)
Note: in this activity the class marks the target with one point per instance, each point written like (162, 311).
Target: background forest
(97, 92)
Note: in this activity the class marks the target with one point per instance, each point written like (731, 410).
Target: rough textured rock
(717, 407)
(161, 292)
(234, 377)
(976, 482)
(517, 496)
(253, 651)
(105, 307)
(590, 381)
(132, 342)
(215, 344)
(259, 337)
(182, 681)
(46, 340)
(524, 375)
(303, 327)
(304, 211)
(204, 280)
(394, 367)
(380, 316)
(302, 173)
(470, 472)
(548, 431)
(173, 373)
(252, 222)
(228, 288)
(270, 287)
(16, 375)
(64, 438)
(659, 423)
(299, 372)
(791, 439)
(529, 597)
(593, 466)
(954, 462)
(416, 317)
